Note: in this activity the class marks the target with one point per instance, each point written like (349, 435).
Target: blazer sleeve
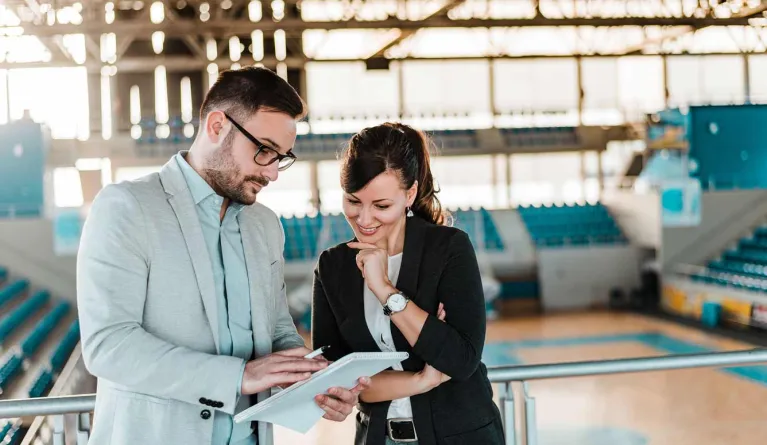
(454, 347)
(325, 328)
(113, 266)
(285, 334)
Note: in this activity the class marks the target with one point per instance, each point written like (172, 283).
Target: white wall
(26, 249)
(638, 216)
(726, 216)
(519, 255)
(579, 278)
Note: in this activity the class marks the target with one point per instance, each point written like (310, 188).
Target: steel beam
(226, 28)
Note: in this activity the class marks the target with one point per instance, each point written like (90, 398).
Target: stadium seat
(16, 318)
(30, 345)
(577, 225)
(13, 290)
(480, 227)
(42, 384)
(742, 267)
(9, 369)
(65, 347)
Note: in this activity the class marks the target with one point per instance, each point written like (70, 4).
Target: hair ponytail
(426, 204)
(397, 147)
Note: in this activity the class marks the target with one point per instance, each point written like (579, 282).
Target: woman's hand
(373, 262)
(429, 377)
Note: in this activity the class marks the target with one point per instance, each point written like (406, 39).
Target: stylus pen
(317, 352)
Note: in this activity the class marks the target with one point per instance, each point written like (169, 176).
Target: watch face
(396, 302)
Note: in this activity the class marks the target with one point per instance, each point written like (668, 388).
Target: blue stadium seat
(16, 318)
(65, 347)
(9, 369)
(480, 227)
(42, 384)
(579, 225)
(743, 266)
(43, 328)
(13, 290)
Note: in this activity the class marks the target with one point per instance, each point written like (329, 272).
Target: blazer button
(203, 400)
(205, 414)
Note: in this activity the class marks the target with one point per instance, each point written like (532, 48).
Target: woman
(386, 291)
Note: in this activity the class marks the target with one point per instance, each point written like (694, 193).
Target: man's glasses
(265, 155)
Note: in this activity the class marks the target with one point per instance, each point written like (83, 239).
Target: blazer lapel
(352, 290)
(183, 205)
(407, 282)
(258, 263)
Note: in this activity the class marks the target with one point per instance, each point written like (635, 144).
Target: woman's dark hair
(241, 93)
(401, 149)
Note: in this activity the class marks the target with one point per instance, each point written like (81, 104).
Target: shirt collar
(199, 188)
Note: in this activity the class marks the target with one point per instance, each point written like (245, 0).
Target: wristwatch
(396, 302)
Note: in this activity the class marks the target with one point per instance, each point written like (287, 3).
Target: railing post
(531, 428)
(83, 428)
(58, 430)
(507, 413)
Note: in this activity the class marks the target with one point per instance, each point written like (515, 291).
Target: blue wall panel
(729, 145)
(22, 165)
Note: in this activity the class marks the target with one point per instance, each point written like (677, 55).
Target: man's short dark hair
(241, 93)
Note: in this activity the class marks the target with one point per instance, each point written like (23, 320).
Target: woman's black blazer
(439, 265)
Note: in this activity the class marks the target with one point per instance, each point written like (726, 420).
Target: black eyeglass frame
(261, 147)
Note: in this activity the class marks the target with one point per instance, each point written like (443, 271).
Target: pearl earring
(409, 212)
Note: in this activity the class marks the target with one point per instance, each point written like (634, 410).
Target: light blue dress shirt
(230, 274)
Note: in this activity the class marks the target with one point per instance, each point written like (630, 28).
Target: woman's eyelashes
(378, 206)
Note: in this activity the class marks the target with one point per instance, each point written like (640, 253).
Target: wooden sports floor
(685, 407)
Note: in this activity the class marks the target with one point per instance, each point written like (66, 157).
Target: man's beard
(225, 177)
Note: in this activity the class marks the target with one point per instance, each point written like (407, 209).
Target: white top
(380, 328)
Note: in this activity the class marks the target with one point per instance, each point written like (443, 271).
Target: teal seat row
(42, 384)
(577, 225)
(11, 432)
(306, 237)
(65, 347)
(58, 359)
(16, 318)
(33, 341)
(480, 227)
(741, 267)
(13, 290)
(9, 369)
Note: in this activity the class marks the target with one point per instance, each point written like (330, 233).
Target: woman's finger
(441, 312)
(361, 246)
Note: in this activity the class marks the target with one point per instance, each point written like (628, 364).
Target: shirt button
(205, 414)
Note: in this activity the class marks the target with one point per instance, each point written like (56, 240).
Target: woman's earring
(409, 212)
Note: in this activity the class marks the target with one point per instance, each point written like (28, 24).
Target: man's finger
(300, 365)
(294, 352)
(288, 378)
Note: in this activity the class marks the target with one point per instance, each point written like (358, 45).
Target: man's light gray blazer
(147, 308)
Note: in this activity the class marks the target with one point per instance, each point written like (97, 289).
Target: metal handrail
(501, 374)
(47, 406)
(504, 374)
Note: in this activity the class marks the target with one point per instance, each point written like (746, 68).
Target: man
(180, 282)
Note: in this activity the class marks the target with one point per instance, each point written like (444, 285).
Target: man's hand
(283, 368)
(339, 402)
